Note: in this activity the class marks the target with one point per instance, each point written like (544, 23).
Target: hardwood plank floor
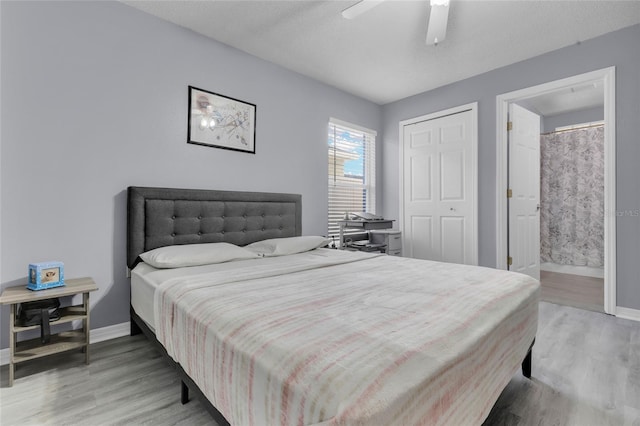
(572, 290)
(127, 383)
(586, 371)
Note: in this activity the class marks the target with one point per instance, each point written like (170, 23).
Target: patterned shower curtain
(572, 197)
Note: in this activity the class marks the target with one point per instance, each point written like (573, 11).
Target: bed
(321, 336)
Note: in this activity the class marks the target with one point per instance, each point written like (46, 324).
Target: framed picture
(45, 275)
(221, 122)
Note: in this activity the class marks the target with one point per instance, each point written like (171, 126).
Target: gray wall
(94, 99)
(618, 49)
(550, 122)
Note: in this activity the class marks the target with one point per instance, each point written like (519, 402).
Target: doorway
(605, 78)
(572, 214)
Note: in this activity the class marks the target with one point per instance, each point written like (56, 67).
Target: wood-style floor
(572, 290)
(586, 371)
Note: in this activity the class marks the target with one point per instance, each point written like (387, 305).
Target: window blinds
(352, 172)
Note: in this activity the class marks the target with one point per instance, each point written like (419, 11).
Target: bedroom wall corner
(94, 98)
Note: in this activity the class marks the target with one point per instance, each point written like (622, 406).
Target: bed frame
(158, 217)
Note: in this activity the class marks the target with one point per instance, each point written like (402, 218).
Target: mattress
(142, 290)
(334, 337)
(145, 279)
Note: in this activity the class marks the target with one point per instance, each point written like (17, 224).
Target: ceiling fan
(436, 30)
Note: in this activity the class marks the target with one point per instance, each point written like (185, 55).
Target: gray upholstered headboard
(158, 217)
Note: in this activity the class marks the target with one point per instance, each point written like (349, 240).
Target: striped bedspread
(338, 338)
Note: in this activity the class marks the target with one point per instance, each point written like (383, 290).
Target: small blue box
(45, 275)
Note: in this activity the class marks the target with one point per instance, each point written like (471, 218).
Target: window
(352, 171)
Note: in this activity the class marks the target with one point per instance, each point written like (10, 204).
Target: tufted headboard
(158, 217)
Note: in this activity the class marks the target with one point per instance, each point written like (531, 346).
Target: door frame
(473, 165)
(607, 77)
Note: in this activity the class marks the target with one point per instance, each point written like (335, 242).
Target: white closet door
(438, 186)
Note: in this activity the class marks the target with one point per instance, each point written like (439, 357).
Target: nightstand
(60, 342)
(391, 239)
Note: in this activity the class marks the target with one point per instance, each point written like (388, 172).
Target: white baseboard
(97, 335)
(628, 313)
(585, 271)
(110, 332)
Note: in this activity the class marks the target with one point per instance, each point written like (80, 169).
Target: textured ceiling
(382, 55)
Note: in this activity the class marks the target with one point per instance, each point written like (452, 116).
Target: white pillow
(284, 246)
(179, 256)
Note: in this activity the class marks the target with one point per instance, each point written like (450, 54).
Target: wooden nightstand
(60, 342)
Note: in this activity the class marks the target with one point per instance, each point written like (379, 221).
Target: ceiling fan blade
(360, 8)
(437, 29)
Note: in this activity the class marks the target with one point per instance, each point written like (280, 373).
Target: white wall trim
(610, 285)
(473, 106)
(607, 76)
(110, 332)
(97, 335)
(628, 313)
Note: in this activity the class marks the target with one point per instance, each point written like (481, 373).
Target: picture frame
(220, 121)
(44, 275)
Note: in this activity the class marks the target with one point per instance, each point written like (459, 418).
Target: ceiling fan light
(437, 29)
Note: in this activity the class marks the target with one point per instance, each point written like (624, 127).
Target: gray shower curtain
(572, 197)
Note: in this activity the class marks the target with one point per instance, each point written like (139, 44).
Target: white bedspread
(334, 337)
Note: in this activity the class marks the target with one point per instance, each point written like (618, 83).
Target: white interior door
(524, 185)
(439, 186)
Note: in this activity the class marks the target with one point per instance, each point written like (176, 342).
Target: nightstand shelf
(68, 314)
(60, 342)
